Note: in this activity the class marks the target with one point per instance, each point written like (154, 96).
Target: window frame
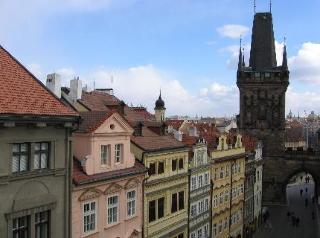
(89, 213)
(40, 152)
(107, 160)
(111, 207)
(21, 228)
(42, 223)
(130, 201)
(19, 154)
(116, 155)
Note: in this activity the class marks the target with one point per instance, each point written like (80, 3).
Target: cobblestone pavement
(281, 226)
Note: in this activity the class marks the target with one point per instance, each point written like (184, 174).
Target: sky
(186, 48)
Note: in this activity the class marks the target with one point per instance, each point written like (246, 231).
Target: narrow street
(281, 226)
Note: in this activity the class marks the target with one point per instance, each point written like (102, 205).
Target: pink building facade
(107, 181)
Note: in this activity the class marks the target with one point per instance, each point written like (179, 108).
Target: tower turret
(160, 109)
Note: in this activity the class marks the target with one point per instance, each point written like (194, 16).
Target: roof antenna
(270, 6)
(254, 6)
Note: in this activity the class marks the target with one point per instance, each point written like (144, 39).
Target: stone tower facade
(160, 109)
(262, 87)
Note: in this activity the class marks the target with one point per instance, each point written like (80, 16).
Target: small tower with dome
(160, 109)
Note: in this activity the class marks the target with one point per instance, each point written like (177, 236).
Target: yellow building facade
(228, 176)
(166, 191)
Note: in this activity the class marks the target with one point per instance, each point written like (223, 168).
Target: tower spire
(270, 6)
(284, 58)
(254, 7)
(240, 55)
(243, 62)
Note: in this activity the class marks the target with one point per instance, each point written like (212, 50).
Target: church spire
(284, 58)
(240, 63)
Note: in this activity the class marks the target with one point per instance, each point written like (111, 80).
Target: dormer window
(118, 153)
(105, 154)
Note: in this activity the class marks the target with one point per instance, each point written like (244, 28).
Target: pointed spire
(284, 59)
(243, 61)
(160, 93)
(240, 63)
(270, 6)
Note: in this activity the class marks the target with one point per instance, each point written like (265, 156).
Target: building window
(200, 181)
(206, 204)
(193, 210)
(21, 227)
(206, 230)
(221, 172)
(200, 207)
(20, 157)
(131, 203)
(193, 183)
(152, 210)
(105, 154)
(160, 208)
(181, 200)
(89, 217)
(118, 153)
(221, 198)
(206, 178)
(200, 233)
(177, 201)
(180, 163)
(174, 202)
(179, 236)
(152, 169)
(156, 209)
(174, 165)
(113, 209)
(161, 168)
(214, 229)
(41, 155)
(227, 170)
(42, 224)
(215, 201)
(193, 235)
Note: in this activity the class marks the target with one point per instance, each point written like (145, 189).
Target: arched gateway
(262, 86)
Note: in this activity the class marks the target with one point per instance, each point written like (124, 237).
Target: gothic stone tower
(262, 87)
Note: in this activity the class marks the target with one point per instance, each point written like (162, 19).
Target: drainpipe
(230, 197)
(211, 213)
(189, 179)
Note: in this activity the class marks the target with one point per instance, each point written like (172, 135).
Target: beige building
(228, 173)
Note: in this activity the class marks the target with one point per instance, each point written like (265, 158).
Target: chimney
(120, 107)
(54, 84)
(75, 89)
(178, 135)
(108, 91)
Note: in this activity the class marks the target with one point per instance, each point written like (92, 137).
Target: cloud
(140, 85)
(233, 31)
(296, 101)
(305, 66)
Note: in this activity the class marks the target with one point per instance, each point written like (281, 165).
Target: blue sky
(183, 46)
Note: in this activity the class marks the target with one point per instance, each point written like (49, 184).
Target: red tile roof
(154, 143)
(80, 177)
(249, 142)
(22, 94)
(91, 120)
(189, 140)
(176, 124)
(98, 101)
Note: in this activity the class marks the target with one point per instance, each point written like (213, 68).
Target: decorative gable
(132, 183)
(90, 194)
(113, 188)
(115, 124)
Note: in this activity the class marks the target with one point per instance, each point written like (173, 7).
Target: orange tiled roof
(153, 143)
(91, 120)
(22, 94)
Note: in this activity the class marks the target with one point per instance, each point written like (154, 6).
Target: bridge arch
(279, 170)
